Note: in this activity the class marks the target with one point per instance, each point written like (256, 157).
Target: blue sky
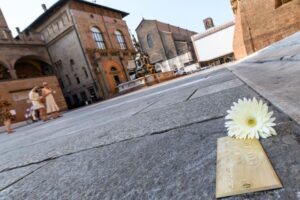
(183, 13)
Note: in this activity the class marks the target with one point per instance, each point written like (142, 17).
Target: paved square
(157, 143)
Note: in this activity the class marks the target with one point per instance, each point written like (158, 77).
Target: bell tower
(5, 33)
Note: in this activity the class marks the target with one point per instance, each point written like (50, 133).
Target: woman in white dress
(51, 105)
(37, 104)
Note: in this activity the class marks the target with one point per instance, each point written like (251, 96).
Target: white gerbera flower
(250, 119)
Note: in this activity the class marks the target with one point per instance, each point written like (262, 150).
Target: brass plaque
(243, 167)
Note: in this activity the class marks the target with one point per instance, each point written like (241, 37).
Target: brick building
(89, 45)
(80, 48)
(261, 23)
(168, 46)
(24, 64)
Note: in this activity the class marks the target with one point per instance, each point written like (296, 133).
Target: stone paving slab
(143, 146)
(171, 97)
(217, 88)
(30, 150)
(154, 167)
(179, 164)
(70, 123)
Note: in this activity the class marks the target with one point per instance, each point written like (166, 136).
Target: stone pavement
(160, 142)
(274, 72)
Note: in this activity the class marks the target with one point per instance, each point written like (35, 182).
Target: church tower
(5, 33)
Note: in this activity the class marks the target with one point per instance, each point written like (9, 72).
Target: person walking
(51, 105)
(37, 104)
(5, 115)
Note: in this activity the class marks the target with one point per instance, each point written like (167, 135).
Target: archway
(4, 72)
(114, 74)
(31, 67)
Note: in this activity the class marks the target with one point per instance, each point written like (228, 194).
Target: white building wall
(219, 42)
(177, 62)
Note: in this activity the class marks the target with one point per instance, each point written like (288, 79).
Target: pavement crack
(145, 108)
(189, 97)
(113, 143)
(68, 154)
(29, 164)
(19, 179)
(186, 125)
(282, 59)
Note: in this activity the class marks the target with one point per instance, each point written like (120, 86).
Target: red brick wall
(16, 92)
(238, 43)
(95, 10)
(107, 26)
(259, 24)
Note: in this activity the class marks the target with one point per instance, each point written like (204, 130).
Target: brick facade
(60, 42)
(24, 64)
(86, 72)
(168, 41)
(102, 60)
(261, 23)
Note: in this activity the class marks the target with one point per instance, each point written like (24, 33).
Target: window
(72, 63)
(83, 96)
(117, 80)
(279, 3)
(69, 102)
(93, 95)
(97, 35)
(150, 41)
(68, 79)
(121, 40)
(75, 100)
(77, 79)
(113, 70)
(85, 72)
(61, 83)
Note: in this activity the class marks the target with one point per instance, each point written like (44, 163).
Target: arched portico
(4, 71)
(32, 66)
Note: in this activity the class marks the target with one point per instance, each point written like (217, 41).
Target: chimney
(44, 7)
(18, 30)
(208, 23)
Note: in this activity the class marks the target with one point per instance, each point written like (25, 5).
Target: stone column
(13, 74)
